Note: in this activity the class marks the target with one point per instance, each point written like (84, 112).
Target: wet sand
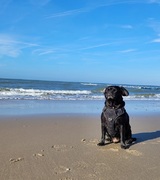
(64, 147)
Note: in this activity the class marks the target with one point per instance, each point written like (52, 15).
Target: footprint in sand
(38, 155)
(62, 147)
(61, 170)
(93, 141)
(12, 160)
(134, 152)
(90, 142)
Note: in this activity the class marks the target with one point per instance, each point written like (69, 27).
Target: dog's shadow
(146, 136)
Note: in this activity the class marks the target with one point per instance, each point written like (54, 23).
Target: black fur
(114, 118)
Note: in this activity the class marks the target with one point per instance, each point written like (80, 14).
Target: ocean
(34, 96)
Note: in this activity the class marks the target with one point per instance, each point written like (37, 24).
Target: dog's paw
(130, 141)
(134, 139)
(124, 146)
(101, 144)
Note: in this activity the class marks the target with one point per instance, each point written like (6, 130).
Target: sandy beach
(63, 147)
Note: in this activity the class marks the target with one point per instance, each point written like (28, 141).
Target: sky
(110, 41)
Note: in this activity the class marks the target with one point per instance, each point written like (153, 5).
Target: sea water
(36, 97)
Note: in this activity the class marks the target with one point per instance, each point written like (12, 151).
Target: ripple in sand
(101, 167)
(80, 165)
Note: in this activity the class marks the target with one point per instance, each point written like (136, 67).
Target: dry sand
(63, 147)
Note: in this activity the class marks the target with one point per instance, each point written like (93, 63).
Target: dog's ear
(124, 91)
(104, 90)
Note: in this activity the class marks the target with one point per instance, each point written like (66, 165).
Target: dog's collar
(114, 106)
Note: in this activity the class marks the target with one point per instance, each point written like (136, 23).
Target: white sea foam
(15, 93)
(143, 97)
(21, 93)
(55, 90)
(89, 84)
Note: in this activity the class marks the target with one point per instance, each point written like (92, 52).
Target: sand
(64, 147)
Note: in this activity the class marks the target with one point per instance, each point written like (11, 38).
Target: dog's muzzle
(111, 98)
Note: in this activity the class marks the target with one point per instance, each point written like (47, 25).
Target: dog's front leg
(102, 142)
(122, 135)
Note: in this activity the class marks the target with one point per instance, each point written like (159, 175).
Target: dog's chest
(113, 114)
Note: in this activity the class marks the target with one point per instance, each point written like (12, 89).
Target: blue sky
(112, 41)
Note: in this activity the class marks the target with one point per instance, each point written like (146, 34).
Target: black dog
(114, 118)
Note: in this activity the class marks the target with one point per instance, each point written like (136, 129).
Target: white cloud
(156, 40)
(9, 46)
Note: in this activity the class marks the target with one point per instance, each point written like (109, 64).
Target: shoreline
(31, 107)
(64, 147)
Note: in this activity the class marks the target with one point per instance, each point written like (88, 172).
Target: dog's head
(113, 95)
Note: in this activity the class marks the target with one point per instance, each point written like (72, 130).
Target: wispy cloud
(68, 13)
(155, 25)
(95, 46)
(127, 51)
(11, 47)
(123, 26)
(44, 51)
(98, 4)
